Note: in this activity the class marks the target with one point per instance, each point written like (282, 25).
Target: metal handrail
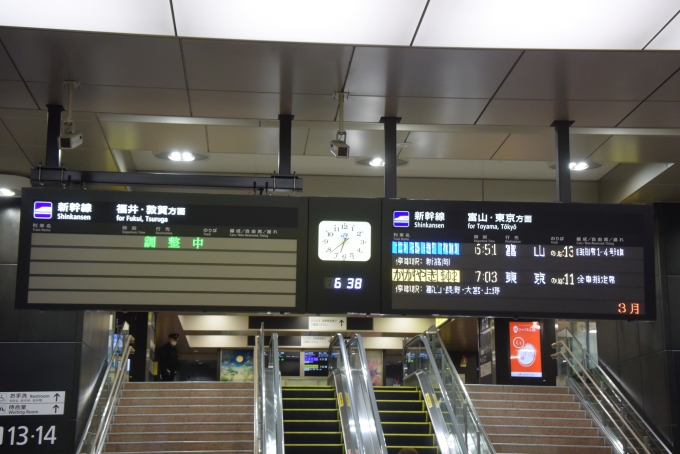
(617, 391)
(613, 407)
(340, 342)
(269, 418)
(99, 439)
(368, 383)
(278, 397)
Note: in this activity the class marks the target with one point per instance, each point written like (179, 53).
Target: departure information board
(149, 250)
(518, 259)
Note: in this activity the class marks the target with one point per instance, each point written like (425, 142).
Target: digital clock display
(518, 259)
(343, 283)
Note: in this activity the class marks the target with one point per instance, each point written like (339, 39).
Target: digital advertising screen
(289, 363)
(547, 260)
(145, 250)
(344, 255)
(525, 349)
(316, 364)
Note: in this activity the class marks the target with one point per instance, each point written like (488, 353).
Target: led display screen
(316, 364)
(105, 249)
(518, 259)
(525, 349)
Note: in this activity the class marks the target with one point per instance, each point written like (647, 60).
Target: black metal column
(562, 160)
(285, 143)
(52, 152)
(390, 156)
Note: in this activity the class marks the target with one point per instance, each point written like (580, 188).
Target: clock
(344, 241)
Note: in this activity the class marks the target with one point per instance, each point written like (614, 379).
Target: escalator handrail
(278, 395)
(356, 339)
(610, 384)
(339, 340)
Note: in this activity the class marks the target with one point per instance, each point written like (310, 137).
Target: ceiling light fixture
(180, 156)
(4, 192)
(579, 166)
(378, 162)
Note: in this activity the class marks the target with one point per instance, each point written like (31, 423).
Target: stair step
(176, 400)
(189, 385)
(403, 416)
(547, 440)
(399, 405)
(139, 393)
(314, 449)
(383, 394)
(179, 436)
(313, 438)
(543, 397)
(306, 393)
(408, 440)
(183, 418)
(185, 426)
(301, 426)
(171, 409)
(296, 414)
(550, 449)
(191, 446)
(540, 430)
(420, 449)
(528, 421)
(535, 413)
(310, 402)
(406, 427)
(526, 404)
(518, 389)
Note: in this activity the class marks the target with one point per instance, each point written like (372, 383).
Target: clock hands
(341, 244)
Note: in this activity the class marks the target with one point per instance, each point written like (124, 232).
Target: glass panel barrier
(426, 352)
(623, 425)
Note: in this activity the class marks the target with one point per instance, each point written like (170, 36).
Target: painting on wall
(236, 365)
(375, 366)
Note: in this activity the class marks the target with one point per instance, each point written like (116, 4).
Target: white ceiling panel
(653, 114)
(95, 58)
(244, 140)
(669, 38)
(13, 160)
(361, 143)
(536, 24)
(31, 130)
(149, 17)
(639, 149)
(414, 110)
(14, 95)
(544, 112)
(617, 76)
(265, 67)
(265, 106)
(110, 99)
(156, 136)
(669, 91)
(537, 147)
(377, 22)
(7, 70)
(95, 159)
(451, 145)
(451, 73)
(217, 163)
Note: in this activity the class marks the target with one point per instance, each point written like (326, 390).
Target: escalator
(311, 421)
(405, 420)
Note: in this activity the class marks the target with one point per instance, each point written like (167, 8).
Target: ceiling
(471, 105)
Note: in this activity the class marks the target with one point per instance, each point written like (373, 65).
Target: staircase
(311, 422)
(535, 419)
(184, 417)
(405, 421)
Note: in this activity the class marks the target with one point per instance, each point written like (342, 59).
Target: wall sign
(512, 259)
(525, 349)
(32, 403)
(328, 323)
(149, 250)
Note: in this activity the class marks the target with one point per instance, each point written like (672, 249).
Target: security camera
(70, 141)
(339, 149)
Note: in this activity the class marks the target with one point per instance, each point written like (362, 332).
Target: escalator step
(296, 414)
(395, 388)
(396, 395)
(313, 438)
(321, 393)
(408, 440)
(318, 449)
(399, 405)
(420, 449)
(312, 402)
(403, 416)
(406, 427)
(311, 426)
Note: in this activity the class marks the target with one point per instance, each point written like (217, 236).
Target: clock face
(344, 241)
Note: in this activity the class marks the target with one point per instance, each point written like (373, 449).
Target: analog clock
(348, 241)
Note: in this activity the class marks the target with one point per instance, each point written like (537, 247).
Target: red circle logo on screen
(518, 342)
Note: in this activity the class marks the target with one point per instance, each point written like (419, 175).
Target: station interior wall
(645, 356)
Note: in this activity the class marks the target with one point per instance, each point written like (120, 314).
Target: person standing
(169, 359)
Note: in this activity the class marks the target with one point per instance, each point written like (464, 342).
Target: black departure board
(151, 250)
(518, 259)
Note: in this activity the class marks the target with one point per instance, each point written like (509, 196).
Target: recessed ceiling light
(579, 166)
(180, 156)
(4, 192)
(378, 162)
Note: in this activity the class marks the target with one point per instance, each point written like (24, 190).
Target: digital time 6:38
(20, 435)
(343, 283)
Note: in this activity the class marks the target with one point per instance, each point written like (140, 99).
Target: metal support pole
(562, 160)
(285, 143)
(52, 151)
(390, 156)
